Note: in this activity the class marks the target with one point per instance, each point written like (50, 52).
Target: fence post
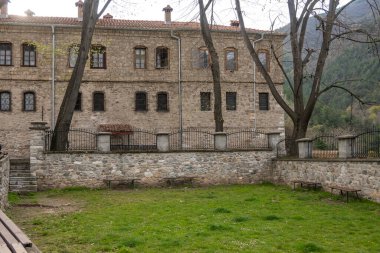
(37, 145)
(220, 141)
(103, 141)
(305, 148)
(163, 142)
(346, 147)
(273, 139)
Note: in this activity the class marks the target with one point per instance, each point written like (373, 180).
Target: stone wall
(361, 174)
(4, 181)
(85, 169)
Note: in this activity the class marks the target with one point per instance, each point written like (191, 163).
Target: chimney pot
(29, 13)
(4, 9)
(80, 5)
(235, 23)
(168, 14)
(108, 16)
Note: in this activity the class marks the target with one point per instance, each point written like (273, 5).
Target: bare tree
(215, 69)
(2, 2)
(331, 28)
(66, 112)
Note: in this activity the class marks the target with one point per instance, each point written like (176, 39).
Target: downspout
(52, 98)
(179, 83)
(254, 84)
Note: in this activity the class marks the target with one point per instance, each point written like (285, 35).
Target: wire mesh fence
(74, 139)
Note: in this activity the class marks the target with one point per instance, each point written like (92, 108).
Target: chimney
(29, 13)
(108, 16)
(168, 14)
(80, 4)
(235, 23)
(4, 9)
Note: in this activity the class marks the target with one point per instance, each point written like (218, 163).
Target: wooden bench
(307, 184)
(345, 190)
(126, 181)
(179, 181)
(12, 239)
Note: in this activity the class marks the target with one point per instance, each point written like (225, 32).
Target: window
(141, 101)
(140, 57)
(5, 54)
(231, 101)
(5, 101)
(264, 101)
(78, 104)
(201, 58)
(263, 57)
(98, 57)
(162, 102)
(29, 55)
(73, 55)
(205, 101)
(29, 102)
(231, 59)
(162, 57)
(98, 102)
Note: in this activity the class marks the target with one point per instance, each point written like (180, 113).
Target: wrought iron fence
(191, 139)
(283, 147)
(367, 144)
(247, 139)
(325, 146)
(136, 140)
(77, 139)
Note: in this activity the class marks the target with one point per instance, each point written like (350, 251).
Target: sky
(257, 15)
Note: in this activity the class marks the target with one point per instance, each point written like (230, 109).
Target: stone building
(147, 74)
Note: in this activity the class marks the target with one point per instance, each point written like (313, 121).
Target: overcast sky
(257, 14)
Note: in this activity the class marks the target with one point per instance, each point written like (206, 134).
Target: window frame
(167, 60)
(202, 50)
(166, 109)
(231, 107)
(235, 51)
(265, 107)
(24, 109)
(79, 99)
(72, 46)
(137, 106)
(93, 101)
(103, 52)
(10, 100)
(207, 107)
(30, 45)
(267, 63)
(135, 57)
(5, 53)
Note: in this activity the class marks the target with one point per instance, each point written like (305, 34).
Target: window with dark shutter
(162, 102)
(231, 101)
(205, 101)
(5, 54)
(78, 104)
(5, 101)
(29, 55)
(162, 57)
(141, 102)
(29, 102)
(98, 102)
(264, 101)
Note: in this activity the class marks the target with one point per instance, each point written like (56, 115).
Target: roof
(117, 23)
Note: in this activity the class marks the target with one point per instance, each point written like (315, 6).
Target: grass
(251, 218)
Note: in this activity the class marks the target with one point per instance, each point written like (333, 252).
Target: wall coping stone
(344, 137)
(292, 159)
(304, 140)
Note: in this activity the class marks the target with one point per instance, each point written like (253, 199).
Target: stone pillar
(305, 148)
(346, 146)
(163, 142)
(273, 139)
(220, 141)
(103, 140)
(37, 145)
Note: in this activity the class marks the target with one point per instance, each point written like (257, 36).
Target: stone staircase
(20, 178)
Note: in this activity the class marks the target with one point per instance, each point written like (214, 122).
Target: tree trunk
(60, 137)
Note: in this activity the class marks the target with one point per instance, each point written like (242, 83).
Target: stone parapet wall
(360, 174)
(85, 169)
(4, 181)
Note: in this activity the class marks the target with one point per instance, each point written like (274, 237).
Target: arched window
(29, 102)
(162, 57)
(98, 101)
(230, 59)
(73, 55)
(141, 101)
(140, 57)
(5, 101)
(264, 59)
(5, 54)
(162, 102)
(29, 58)
(98, 57)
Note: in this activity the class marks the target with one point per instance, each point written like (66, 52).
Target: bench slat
(15, 230)
(18, 248)
(3, 246)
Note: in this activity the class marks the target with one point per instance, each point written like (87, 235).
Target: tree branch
(346, 90)
(309, 51)
(104, 8)
(282, 68)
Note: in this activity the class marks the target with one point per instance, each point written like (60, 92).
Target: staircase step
(20, 178)
(23, 183)
(23, 189)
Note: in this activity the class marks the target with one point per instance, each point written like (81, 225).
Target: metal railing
(77, 139)
(283, 147)
(325, 146)
(367, 144)
(136, 140)
(247, 139)
(191, 139)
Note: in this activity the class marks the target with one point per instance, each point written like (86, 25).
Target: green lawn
(250, 218)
